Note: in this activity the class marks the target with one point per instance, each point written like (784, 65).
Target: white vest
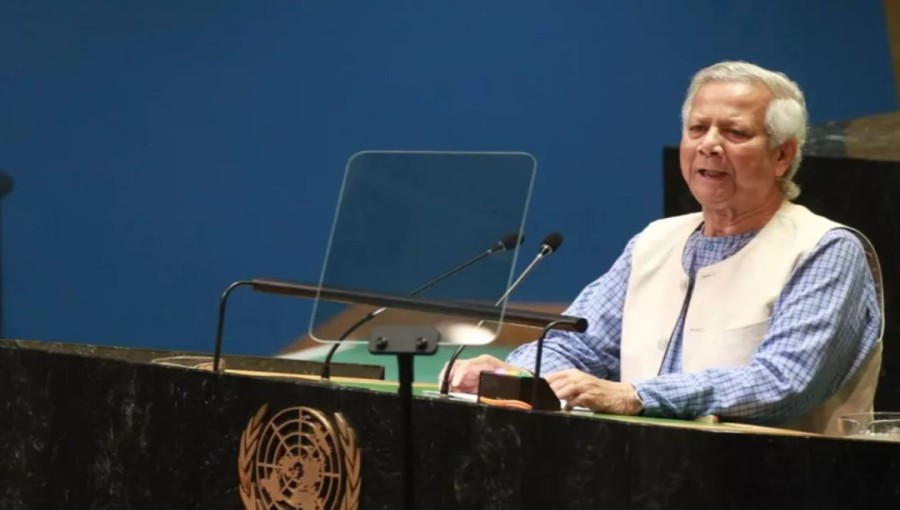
(731, 304)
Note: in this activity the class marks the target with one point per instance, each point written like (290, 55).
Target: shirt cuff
(650, 405)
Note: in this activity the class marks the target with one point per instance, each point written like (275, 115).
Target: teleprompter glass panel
(404, 219)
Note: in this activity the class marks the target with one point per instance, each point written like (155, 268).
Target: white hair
(786, 115)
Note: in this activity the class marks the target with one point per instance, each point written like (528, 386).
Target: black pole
(6, 185)
(405, 342)
(405, 364)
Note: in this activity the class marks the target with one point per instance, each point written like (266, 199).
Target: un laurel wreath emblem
(299, 460)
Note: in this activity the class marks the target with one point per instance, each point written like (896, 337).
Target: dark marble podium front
(104, 428)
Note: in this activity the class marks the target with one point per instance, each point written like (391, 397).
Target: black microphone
(508, 242)
(550, 244)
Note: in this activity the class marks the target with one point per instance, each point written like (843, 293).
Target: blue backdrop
(161, 150)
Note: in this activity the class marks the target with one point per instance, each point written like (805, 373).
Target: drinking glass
(879, 426)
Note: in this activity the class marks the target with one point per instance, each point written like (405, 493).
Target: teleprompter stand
(405, 342)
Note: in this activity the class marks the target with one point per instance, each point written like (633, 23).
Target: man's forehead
(739, 90)
(737, 98)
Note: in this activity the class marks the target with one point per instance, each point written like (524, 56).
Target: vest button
(684, 286)
(661, 344)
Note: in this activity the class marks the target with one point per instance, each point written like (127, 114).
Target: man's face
(725, 155)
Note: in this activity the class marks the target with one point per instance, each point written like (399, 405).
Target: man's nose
(711, 145)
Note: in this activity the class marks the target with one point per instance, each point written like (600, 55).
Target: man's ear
(784, 156)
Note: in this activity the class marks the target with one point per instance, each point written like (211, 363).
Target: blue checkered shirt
(824, 324)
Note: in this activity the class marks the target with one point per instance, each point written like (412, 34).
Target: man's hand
(579, 389)
(465, 372)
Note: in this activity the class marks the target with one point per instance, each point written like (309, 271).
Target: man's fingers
(566, 381)
(567, 393)
(575, 402)
(464, 374)
(562, 374)
(567, 387)
(459, 372)
(456, 372)
(557, 382)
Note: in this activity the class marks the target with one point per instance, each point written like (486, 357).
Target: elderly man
(754, 309)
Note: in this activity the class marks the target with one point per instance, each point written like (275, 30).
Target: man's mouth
(712, 174)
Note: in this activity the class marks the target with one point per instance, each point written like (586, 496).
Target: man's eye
(697, 129)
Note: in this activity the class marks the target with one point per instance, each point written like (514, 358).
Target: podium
(101, 427)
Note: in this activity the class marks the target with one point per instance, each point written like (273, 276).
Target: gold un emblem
(299, 460)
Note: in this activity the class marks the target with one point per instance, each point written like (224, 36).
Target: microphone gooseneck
(220, 325)
(550, 244)
(507, 242)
